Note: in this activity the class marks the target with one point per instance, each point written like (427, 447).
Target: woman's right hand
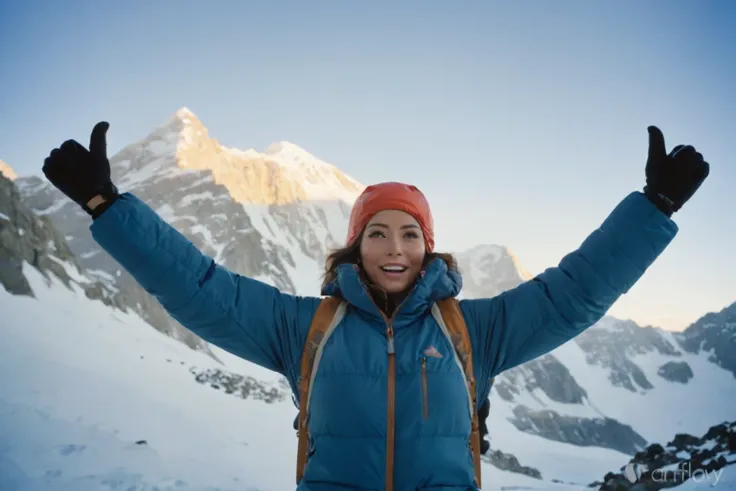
(83, 175)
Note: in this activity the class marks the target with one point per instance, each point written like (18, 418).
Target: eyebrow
(383, 225)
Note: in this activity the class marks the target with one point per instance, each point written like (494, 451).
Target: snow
(208, 240)
(136, 177)
(555, 460)
(195, 197)
(122, 165)
(537, 398)
(288, 152)
(92, 381)
(70, 270)
(55, 207)
(318, 179)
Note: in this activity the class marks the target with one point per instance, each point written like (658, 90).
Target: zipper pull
(390, 336)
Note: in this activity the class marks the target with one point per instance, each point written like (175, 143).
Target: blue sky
(523, 122)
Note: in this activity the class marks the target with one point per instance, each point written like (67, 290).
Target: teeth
(396, 269)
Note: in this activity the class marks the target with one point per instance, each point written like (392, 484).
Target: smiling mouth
(394, 269)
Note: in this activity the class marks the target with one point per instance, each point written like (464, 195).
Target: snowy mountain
(596, 401)
(270, 216)
(489, 270)
(714, 334)
(26, 239)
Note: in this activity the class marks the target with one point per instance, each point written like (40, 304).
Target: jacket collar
(435, 282)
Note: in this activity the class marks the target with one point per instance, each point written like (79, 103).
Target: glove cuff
(110, 193)
(662, 202)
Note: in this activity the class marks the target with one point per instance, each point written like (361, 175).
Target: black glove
(81, 174)
(672, 179)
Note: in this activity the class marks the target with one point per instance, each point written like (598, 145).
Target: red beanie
(391, 196)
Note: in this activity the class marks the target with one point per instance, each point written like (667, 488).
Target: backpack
(329, 313)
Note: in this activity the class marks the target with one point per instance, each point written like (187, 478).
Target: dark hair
(351, 255)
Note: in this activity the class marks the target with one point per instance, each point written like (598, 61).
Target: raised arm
(243, 316)
(246, 317)
(557, 305)
(560, 303)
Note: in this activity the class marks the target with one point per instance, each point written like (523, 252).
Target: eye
(412, 235)
(375, 234)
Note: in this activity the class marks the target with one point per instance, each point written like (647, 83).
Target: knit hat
(391, 196)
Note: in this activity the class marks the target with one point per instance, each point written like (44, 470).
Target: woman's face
(392, 250)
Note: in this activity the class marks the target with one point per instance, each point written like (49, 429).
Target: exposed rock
(715, 332)
(611, 343)
(28, 239)
(545, 373)
(676, 371)
(685, 457)
(239, 385)
(508, 462)
(586, 432)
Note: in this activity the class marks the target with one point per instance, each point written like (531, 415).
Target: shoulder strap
(329, 313)
(450, 318)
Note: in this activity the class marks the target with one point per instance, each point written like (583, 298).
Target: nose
(394, 247)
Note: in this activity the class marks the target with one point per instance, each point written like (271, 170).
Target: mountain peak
(7, 171)
(185, 112)
(284, 173)
(489, 269)
(182, 121)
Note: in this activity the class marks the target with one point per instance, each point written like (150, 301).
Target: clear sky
(523, 122)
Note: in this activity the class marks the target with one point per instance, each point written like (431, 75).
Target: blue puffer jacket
(349, 406)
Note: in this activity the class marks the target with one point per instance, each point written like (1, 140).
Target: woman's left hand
(672, 178)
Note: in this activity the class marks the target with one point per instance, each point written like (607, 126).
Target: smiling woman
(390, 241)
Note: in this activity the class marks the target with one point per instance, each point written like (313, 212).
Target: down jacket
(350, 411)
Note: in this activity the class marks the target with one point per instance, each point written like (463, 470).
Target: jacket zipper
(391, 415)
(425, 393)
(391, 395)
(391, 403)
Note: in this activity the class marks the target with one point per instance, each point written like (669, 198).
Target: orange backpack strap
(450, 318)
(329, 313)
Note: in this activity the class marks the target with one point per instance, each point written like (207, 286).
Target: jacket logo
(432, 351)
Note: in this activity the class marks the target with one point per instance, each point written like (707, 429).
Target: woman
(390, 275)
